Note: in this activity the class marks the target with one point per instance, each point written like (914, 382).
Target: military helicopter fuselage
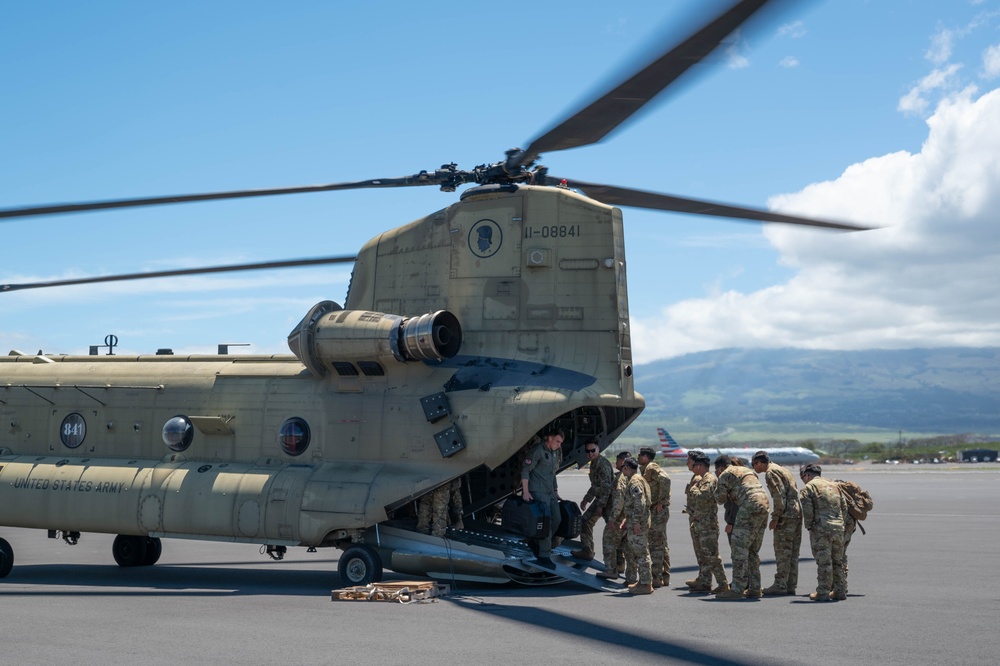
(464, 334)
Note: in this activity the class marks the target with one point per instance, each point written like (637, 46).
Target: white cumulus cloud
(927, 278)
(916, 101)
(991, 62)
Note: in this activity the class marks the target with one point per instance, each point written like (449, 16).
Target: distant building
(979, 455)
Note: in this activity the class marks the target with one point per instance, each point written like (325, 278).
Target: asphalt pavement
(923, 590)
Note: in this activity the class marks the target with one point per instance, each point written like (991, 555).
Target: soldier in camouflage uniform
(687, 493)
(823, 511)
(850, 522)
(636, 526)
(786, 523)
(602, 476)
(440, 508)
(740, 485)
(538, 483)
(729, 509)
(613, 542)
(659, 513)
(703, 514)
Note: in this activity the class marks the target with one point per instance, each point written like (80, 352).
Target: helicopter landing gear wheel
(6, 558)
(360, 565)
(129, 551)
(153, 550)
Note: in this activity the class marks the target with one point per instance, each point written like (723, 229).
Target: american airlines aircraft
(784, 455)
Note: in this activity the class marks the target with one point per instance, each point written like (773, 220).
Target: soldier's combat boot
(665, 580)
(774, 591)
(816, 596)
(729, 595)
(700, 587)
(545, 562)
(657, 582)
(693, 582)
(641, 588)
(608, 574)
(753, 594)
(838, 596)
(582, 554)
(723, 587)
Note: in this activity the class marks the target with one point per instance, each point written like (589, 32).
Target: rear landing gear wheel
(129, 551)
(6, 558)
(153, 550)
(360, 565)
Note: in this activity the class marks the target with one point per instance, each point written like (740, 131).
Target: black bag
(529, 519)
(572, 520)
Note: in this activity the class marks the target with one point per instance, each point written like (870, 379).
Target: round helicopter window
(73, 430)
(178, 433)
(294, 436)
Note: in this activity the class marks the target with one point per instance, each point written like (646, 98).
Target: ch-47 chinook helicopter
(463, 336)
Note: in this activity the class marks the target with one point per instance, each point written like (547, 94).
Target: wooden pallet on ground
(399, 591)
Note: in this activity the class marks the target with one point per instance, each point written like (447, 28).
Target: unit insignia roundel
(485, 238)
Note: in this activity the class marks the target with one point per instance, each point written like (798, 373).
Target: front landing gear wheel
(6, 558)
(360, 565)
(129, 551)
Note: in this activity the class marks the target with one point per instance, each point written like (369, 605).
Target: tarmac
(923, 585)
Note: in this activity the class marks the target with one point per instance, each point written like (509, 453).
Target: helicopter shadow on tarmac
(584, 629)
(165, 580)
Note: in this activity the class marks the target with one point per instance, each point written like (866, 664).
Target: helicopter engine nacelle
(329, 337)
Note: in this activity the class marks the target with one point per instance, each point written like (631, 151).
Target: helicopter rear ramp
(571, 569)
(486, 555)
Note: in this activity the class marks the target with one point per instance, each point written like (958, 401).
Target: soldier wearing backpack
(859, 503)
(823, 511)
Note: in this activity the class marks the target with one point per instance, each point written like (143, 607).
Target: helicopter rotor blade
(602, 116)
(423, 178)
(290, 263)
(624, 196)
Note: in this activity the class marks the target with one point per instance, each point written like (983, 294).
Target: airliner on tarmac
(784, 455)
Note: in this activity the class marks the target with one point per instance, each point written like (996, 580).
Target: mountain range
(941, 390)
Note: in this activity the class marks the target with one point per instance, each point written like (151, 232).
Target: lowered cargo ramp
(572, 569)
(484, 553)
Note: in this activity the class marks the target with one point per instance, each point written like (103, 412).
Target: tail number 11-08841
(553, 231)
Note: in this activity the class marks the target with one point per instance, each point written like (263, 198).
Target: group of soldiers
(635, 504)
(635, 501)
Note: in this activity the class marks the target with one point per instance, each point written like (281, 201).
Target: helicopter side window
(371, 368)
(178, 433)
(294, 436)
(345, 368)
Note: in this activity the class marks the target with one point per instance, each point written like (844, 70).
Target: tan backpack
(859, 502)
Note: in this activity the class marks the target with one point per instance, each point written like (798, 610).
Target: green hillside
(787, 394)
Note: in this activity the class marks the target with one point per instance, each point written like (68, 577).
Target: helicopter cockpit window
(73, 430)
(371, 368)
(178, 433)
(345, 368)
(294, 436)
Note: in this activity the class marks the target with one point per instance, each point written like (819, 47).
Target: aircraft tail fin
(669, 446)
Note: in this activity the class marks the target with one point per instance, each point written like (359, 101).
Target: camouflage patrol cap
(631, 462)
(811, 468)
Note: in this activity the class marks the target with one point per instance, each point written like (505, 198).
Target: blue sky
(886, 112)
